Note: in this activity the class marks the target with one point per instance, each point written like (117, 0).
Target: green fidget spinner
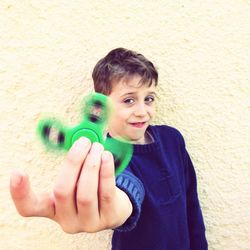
(96, 113)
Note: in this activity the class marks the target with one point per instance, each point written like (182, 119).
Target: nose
(140, 109)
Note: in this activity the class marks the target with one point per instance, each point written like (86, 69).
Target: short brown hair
(122, 63)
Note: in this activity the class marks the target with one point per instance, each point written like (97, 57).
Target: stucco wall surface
(202, 50)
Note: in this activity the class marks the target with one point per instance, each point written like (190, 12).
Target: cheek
(152, 112)
(117, 118)
(122, 114)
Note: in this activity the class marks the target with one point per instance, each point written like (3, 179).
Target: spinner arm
(95, 118)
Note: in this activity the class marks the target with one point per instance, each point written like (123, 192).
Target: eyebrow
(152, 93)
(131, 93)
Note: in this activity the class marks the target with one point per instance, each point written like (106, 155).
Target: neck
(148, 138)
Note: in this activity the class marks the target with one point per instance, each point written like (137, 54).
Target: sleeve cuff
(133, 187)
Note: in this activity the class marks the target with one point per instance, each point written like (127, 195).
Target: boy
(153, 204)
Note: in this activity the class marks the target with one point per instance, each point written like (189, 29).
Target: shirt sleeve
(195, 219)
(133, 187)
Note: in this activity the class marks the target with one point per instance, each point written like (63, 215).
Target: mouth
(138, 124)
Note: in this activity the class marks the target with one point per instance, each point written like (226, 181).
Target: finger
(87, 199)
(26, 201)
(65, 185)
(106, 181)
(114, 205)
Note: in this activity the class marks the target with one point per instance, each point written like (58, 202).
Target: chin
(137, 139)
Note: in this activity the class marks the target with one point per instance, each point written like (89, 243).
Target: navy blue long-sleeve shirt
(161, 184)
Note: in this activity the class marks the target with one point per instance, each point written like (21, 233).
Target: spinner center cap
(90, 134)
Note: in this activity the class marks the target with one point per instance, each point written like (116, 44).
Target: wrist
(124, 208)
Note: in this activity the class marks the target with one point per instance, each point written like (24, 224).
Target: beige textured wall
(202, 50)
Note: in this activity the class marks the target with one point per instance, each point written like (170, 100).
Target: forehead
(131, 85)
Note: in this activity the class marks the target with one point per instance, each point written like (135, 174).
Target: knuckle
(60, 194)
(73, 159)
(84, 201)
(107, 198)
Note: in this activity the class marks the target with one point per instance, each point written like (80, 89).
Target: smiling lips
(138, 124)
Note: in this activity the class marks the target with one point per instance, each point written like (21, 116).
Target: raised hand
(84, 198)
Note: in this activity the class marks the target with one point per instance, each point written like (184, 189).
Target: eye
(149, 99)
(129, 101)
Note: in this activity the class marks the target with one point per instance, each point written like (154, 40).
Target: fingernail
(96, 148)
(82, 142)
(105, 156)
(16, 179)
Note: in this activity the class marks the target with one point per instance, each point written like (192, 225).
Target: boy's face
(133, 109)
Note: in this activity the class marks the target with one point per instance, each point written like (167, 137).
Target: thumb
(19, 185)
(26, 201)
